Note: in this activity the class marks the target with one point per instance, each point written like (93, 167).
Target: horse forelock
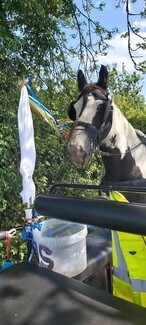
(93, 87)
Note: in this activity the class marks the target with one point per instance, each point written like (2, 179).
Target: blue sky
(111, 17)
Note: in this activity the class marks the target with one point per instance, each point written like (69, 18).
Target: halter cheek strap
(107, 122)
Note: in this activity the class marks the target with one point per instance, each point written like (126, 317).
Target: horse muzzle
(78, 155)
(82, 142)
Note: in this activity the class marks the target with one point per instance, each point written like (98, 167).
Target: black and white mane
(99, 126)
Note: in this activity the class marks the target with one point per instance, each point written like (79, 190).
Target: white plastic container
(61, 246)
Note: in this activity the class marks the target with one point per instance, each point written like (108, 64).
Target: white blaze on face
(90, 109)
(78, 106)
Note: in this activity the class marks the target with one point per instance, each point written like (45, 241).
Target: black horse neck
(120, 169)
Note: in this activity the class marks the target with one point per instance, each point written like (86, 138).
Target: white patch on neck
(120, 128)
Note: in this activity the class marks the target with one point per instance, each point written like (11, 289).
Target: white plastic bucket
(61, 246)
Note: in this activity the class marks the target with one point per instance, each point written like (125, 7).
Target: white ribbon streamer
(27, 148)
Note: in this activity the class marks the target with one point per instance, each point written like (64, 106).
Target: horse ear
(103, 77)
(81, 80)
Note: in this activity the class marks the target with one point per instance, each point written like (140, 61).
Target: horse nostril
(75, 149)
(80, 148)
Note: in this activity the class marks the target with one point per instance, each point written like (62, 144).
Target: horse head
(92, 117)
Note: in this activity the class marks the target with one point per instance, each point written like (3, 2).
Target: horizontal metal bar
(122, 188)
(126, 217)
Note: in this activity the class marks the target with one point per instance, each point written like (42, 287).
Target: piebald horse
(100, 127)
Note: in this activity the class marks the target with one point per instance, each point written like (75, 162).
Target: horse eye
(100, 107)
(71, 112)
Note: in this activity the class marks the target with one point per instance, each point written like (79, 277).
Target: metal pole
(126, 217)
